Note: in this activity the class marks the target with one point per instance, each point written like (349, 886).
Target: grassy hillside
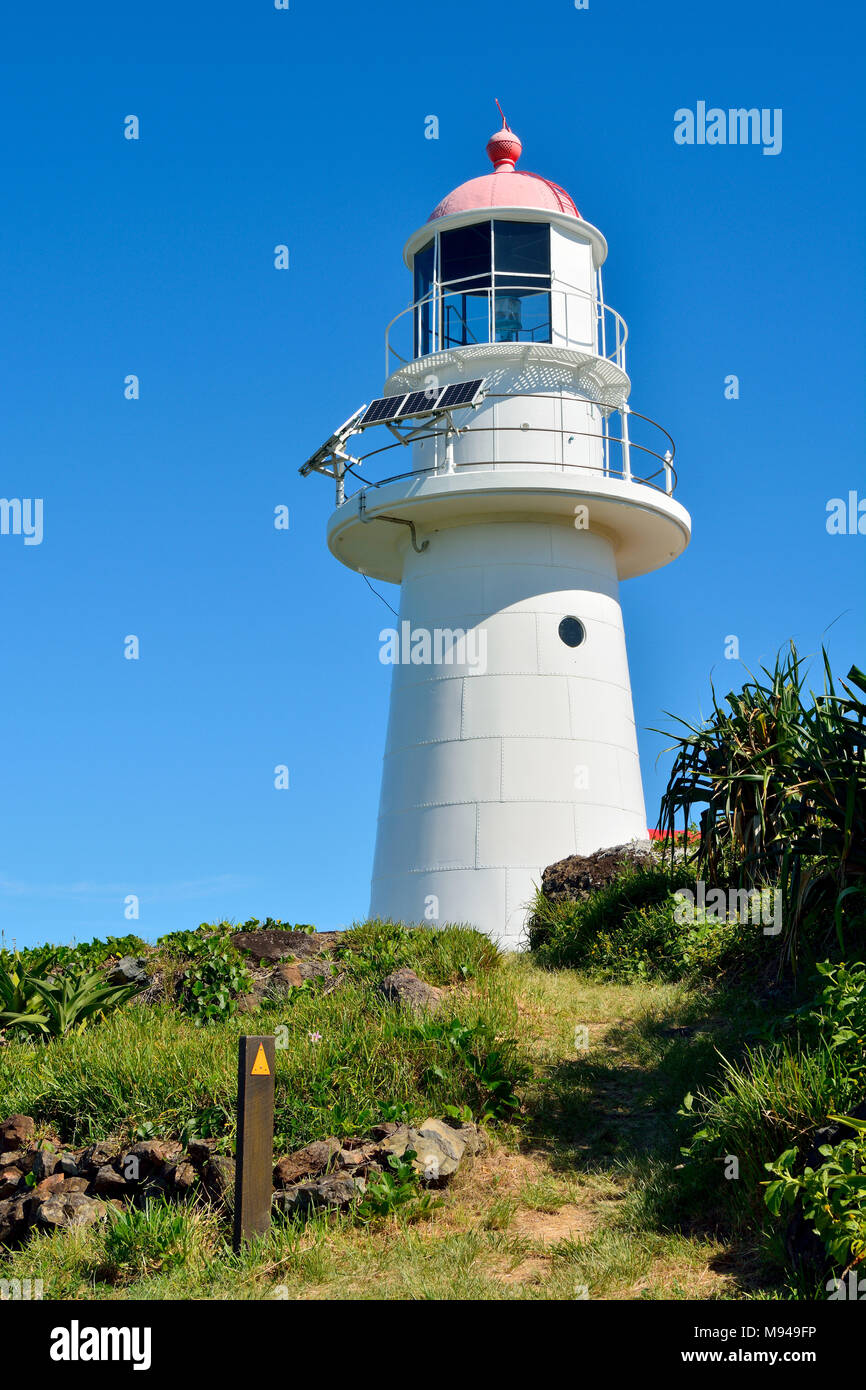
(673, 1093)
(568, 1198)
(582, 1192)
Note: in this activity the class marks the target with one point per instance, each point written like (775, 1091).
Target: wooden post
(255, 1140)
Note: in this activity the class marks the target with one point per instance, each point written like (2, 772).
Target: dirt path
(568, 1200)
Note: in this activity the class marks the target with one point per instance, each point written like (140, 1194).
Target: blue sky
(155, 257)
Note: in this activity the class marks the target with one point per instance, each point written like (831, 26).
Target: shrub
(213, 971)
(631, 928)
(836, 1018)
(491, 1064)
(397, 1190)
(87, 953)
(833, 1195)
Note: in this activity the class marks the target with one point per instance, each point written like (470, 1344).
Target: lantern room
(528, 272)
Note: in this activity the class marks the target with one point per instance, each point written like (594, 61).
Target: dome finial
(504, 148)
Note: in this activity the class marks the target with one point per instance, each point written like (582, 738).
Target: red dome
(506, 187)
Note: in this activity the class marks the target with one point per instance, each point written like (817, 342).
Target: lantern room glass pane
(423, 267)
(464, 255)
(520, 316)
(522, 249)
(465, 319)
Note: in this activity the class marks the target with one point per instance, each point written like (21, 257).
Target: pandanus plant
(47, 1005)
(781, 774)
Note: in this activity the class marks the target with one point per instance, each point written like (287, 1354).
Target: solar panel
(421, 402)
(461, 393)
(385, 408)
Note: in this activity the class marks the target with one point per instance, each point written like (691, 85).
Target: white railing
(622, 456)
(441, 320)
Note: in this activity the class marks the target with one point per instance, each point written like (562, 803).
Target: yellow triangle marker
(260, 1065)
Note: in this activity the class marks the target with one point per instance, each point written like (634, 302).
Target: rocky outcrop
(275, 944)
(578, 876)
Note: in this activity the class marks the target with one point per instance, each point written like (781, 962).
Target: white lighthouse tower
(517, 488)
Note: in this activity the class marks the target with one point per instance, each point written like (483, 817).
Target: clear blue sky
(258, 127)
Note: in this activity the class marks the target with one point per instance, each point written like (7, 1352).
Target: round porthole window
(572, 631)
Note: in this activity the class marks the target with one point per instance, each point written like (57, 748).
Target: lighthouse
(504, 481)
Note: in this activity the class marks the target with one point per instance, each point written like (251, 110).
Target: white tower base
(515, 749)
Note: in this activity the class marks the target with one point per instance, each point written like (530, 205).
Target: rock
(156, 1187)
(14, 1219)
(398, 1141)
(16, 1132)
(182, 1177)
(333, 1192)
(29, 1159)
(576, 877)
(286, 977)
(97, 1155)
(407, 989)
(362, 1156)
(308, 1162)
(43, 1163)
(383, 1131)
(108, 1182)
(67, 1164)
(473, 1139)
(249, 1003)
(200, 1150)
(219, 1177)
(439, 1147)
(313, 969)
(13, 1158)
(6, 1226)
(70, 1209)
(275, 943)
(9, 1180)
(438, 1151)
(75, 1184)
(129, 970)
(153, 1154)
(291, 974)
(46, 1188)
(445, 1135)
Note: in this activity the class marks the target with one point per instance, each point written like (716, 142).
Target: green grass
(146, 1067)
(586, 1187)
